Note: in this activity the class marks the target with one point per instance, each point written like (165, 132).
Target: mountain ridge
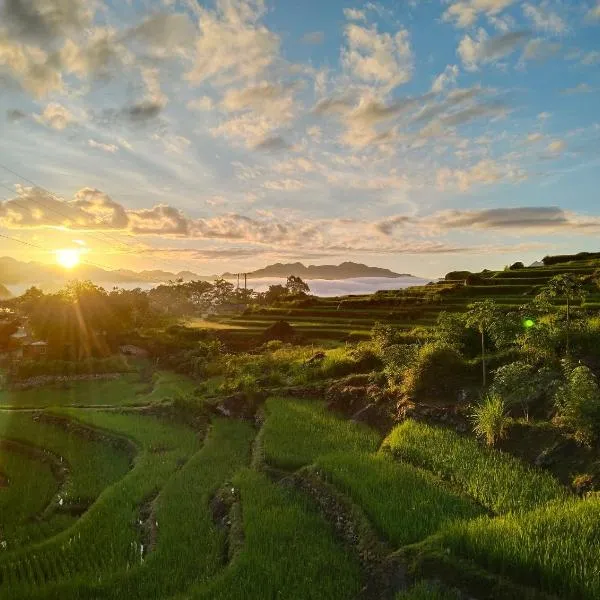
(15, 272)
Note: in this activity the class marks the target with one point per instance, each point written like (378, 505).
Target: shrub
(437, 371)
(518, 383)
(490, 419)
(578, 405)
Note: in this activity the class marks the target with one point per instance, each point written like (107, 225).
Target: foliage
(482, 315)
(437, 372)
(519, 383)
(392, 493)
(296, 432)
(490, 419)
(578, 405)
(397, 358)
(554, 547)
(383, 335)
(296, 286)
(497, 480)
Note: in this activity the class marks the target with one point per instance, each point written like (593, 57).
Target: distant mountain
(15, 272)
(5, 293)
(346, 270)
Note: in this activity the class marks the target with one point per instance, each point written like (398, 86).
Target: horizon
(226, 135)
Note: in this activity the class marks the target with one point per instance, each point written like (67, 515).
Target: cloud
(556, 147)
(485, 172)
(203, 103)
(594, 13)
(582, 88)
(379, 58)
(445, 79)
(142, 112)
(284, 185)
(273, 100)
(34, 70)
(163, 35)
(43, 21)
(353, 14)
(56, 116)
(232, 44)
(313, 37)
(465, 12)
(272, 144)
(544, 19)
(591, 58)
(539, 49)
(105, 147)
(483, 49)
(14, 114)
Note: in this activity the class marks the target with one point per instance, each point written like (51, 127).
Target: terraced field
(152, 502)
(352, 317)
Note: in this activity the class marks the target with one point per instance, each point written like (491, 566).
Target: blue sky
(421, 135)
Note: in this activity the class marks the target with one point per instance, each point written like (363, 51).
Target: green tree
(519, 383)
(275, 293)
(578, 404)
(296, 286)
(565, 286)
(482, 315)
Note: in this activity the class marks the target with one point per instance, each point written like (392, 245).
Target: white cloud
(544, 19)
(379, 58)
(202, 103)
(582, 88)
(353, 14)
(232, 44)
(556, 147)
(474, 51)
(594, 13)
(271, 100)
(105, 147)
(465, 12)
(539, 49)
(485, 172)
(56, 116)
(281, 185)
(445, 79)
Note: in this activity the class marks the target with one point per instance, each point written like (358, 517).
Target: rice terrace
(435, 442)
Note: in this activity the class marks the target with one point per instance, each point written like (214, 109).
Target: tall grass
(29, 487)
(93, 465)
(405, 504)
(190, 547)
(497, 480)
(296, 432)
(555, 547)
(105, 538)
(289, 550)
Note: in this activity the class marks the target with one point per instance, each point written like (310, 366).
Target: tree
(578, 404)
(490, 419)
(275, 293)
(520, 383)
(296, 286)
(565, 286)
(482, 315)
(222, 291)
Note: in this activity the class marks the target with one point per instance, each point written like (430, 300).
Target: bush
(578, 405)
(438, 371)
(490, 419)
(518, 383)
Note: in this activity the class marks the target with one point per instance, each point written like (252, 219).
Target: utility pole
(245, 281)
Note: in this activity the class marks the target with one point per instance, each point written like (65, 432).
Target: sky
(224, 135)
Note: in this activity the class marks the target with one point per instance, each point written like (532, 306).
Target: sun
(67, 257)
